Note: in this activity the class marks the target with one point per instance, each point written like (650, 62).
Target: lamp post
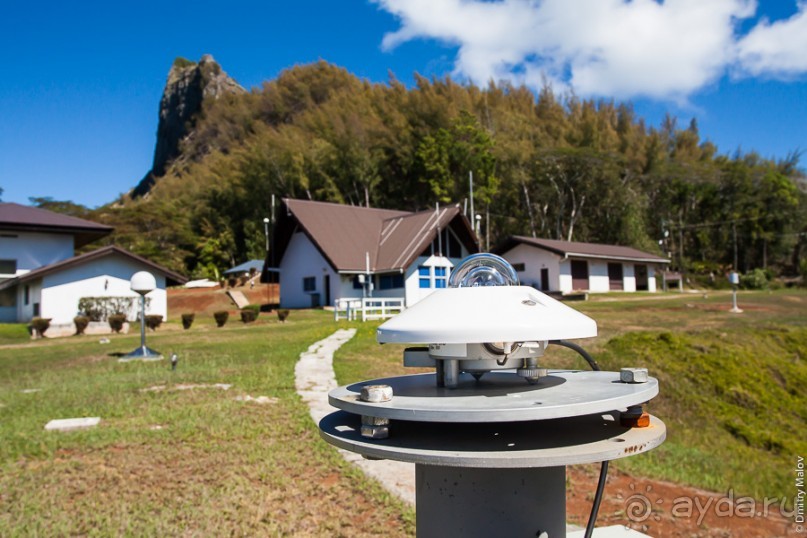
(734, 279)
(266, 231)
(143, 283)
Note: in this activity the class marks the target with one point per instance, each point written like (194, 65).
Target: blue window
(424, 277)
(439, 277)
(309, 283)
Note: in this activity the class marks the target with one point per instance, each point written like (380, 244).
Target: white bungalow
(325, 252)
(567, 266)
(41, 277)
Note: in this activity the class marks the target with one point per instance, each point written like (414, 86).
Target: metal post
(143, 324)
(477, 502)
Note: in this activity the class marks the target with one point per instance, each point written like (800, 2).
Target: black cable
(580, 350)
(595, 507)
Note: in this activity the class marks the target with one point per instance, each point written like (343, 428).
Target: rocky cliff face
(189, 85)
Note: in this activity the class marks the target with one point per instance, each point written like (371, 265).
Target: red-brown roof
(171, 277)
(576, 249)
(21, 218)
(346, 234)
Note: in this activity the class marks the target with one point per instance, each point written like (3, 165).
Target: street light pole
(142, 283)
(266, 231)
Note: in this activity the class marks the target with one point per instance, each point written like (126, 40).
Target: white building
(41, 277)
(326, 251)
(568, 266)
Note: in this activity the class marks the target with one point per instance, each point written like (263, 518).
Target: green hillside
(546, 165)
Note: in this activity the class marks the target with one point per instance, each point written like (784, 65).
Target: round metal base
(498, 397)
(142, 353)
(544, 443)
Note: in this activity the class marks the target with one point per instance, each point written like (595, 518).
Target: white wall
(598, 276)
(535, 259)
(33, 250)
(628, 277)
(302, 259)
(108, 277)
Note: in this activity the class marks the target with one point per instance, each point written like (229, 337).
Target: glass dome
(483, 269)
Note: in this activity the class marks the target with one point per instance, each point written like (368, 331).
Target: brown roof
(171, 277)
(21, 218)
(581, 250)
(345, 234)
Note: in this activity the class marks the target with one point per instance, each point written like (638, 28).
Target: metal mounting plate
(545, 443)
(498, 397)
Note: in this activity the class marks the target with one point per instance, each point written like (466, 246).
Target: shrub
(221, 317)
(187, 320)
(242, 280)
(39, 326)
(248, 315)
(282, 315)
(100, 308)
(116, 322)
(231, 282)
(254, 307)
(754, 280)
(81, 323)
(153, 321)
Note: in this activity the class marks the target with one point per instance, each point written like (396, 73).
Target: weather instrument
(493, 427)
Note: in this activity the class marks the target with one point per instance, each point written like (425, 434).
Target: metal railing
(368, 308)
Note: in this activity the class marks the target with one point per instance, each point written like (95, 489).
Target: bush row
(250, 313)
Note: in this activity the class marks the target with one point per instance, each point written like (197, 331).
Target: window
(357, 283)
(424, 277)
(8, 267)
(451, 247)
(8, 297)
(439, 277)
(309, 283)
(519, 267)
(388, 282)
(37, 313)
(26, 295)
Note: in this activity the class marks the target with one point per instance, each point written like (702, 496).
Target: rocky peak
(189, 85)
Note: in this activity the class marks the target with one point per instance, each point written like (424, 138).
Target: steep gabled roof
(21, 218)
(171, 277)
(345, 235)
(576, 249)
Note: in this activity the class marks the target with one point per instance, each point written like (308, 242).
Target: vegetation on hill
(545, 165)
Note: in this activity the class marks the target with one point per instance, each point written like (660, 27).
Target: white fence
(367, 308)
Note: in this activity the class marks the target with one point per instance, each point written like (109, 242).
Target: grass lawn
(199, 462)
(177, 462)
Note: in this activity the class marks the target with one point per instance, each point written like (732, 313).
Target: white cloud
(622, 48)
(776, 49)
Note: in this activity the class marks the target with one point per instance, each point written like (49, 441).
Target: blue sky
(81, 81)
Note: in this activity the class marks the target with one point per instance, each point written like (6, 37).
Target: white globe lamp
(143, 283)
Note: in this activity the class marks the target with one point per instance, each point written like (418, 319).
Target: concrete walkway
(314, 378)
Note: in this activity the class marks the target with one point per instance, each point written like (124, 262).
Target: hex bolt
(375, 432)
(376, 393)
(633, 375)
(367, 420)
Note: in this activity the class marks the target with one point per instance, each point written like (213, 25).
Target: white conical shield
(477, 315)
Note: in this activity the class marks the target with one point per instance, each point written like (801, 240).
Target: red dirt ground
(663, 509)
(209, 300)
